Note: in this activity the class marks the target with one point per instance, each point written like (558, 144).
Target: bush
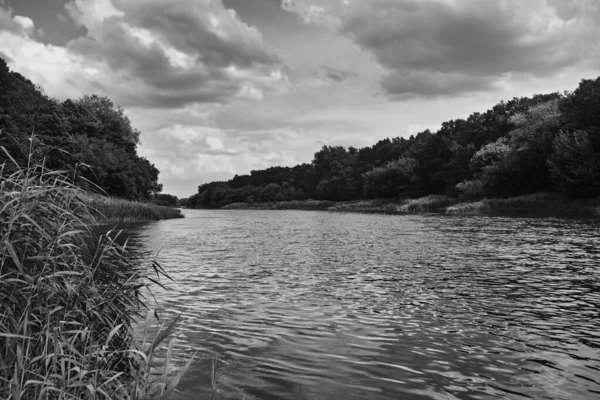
(470, 189)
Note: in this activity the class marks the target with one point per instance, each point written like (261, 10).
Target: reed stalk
(69, 297)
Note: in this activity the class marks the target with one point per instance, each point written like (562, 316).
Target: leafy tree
(581, 109)
(489, 155)
(392, 179)
(575, 164)
(91, 137)
(270, 192)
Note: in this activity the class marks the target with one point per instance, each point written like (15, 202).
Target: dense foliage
(91, 137)
(549, 142)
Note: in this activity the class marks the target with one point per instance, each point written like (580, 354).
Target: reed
(535, 203)
(111, 209)
(429, 203)
(69, 297)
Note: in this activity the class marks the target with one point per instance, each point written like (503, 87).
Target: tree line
(547, 142)
(89, 137)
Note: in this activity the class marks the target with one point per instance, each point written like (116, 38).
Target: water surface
(317, 305)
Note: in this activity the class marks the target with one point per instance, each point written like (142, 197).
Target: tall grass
(68, 298)
(111, 209)
(429, 203)
(282, 205)
(539, 203)
(385, 206)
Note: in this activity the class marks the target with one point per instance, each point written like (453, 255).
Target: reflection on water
(316, 305)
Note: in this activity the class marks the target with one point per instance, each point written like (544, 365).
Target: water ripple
(309, 305)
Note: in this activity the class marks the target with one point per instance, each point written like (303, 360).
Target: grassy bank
(431, 203)
(111, 209)
(69, 298)
(534, 204)
(537, 203)
(283, 205)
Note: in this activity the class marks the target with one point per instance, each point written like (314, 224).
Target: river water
(318, 305)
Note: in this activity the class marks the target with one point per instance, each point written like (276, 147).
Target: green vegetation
(69, 298)
(90, 137)
(167, 200)
(427, 204)
(537, 203)
(548, 143)
(112, 209)
(283, 205)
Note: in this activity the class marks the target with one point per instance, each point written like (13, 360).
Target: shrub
(470, 189)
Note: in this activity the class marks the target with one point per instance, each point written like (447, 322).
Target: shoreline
(537, 204)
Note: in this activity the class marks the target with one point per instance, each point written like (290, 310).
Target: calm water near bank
(317, 305)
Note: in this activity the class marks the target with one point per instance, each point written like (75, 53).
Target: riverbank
(315, 205)
(531, 204)
(115, 210)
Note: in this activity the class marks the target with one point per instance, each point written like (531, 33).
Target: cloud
(59, 72)
(436, 48)
(17, 24)
(188, 155)
(26, 24)
(311, 12)
(180, 139)
(154, 53)
(337, 75)
(177, 53)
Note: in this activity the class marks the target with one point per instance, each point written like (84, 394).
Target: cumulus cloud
(26, 24)
(447, 47)
(154, 53)
(17, 24)
(177, 52)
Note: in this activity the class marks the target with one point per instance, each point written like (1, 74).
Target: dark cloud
(401, 86)
(52, 29)
(176, 53)
(204, 28)
(566, 10)
(442, 48)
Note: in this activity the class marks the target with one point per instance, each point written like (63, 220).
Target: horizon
(219, 88)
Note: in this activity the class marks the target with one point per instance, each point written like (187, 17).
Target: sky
(223, 87)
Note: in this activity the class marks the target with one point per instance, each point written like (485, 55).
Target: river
(318, 305)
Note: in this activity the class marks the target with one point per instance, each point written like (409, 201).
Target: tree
(392, 179)
(575, 164)
(91, 137)
(581, 109)
(270, 192)
(100, 118)
(488, 155)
